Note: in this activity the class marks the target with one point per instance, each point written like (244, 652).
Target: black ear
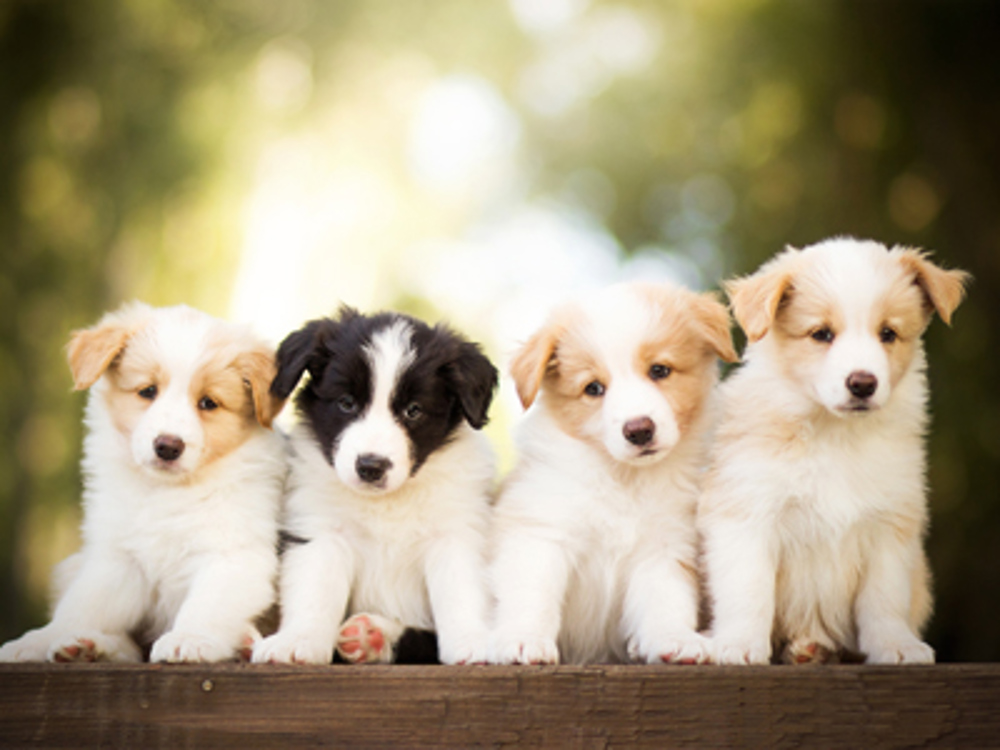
(300, 351)
(473, 378)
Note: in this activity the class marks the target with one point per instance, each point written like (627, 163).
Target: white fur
(594, 541)
(187, 562)
(812, 517)
(412, 552)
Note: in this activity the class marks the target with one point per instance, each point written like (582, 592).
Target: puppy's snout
(639, 431)
(168, 447)
(371, 467)
(861, 384)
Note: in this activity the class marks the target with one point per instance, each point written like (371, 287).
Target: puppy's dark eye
(595, 388)
(413, 412)
(347, 404)
(149, 392)
(824, 335)
(659, 372)
(207, 403)
(887, 335)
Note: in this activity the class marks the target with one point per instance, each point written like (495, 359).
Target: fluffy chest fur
(392, 538)
(600, 504)
(814, 475)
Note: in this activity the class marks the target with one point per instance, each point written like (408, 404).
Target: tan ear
(91, 351)
(716, 323)
(944, 289)
(755, 299)
(258, 369)
(529, 365)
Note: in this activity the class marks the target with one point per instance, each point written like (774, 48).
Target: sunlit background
(475, 162)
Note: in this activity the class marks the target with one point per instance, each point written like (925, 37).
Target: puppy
(389, 490)
(595, 555)
(814, 512)
(182, 487)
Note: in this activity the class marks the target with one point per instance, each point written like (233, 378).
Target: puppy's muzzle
(861, 384)
(639, 431)
(168, 447)
(371, 467)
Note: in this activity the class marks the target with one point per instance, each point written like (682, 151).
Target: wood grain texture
(244, 706)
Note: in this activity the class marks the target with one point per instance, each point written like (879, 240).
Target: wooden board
(245, 706)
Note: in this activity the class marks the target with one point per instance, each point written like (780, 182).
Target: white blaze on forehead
(178, 339)
(618, 322)
(389, 354)
(858, 274)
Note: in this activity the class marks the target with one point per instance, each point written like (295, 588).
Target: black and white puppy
(389, 490)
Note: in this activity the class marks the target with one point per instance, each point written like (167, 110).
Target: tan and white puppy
(182, 487)
(814, 510)
(595, 548)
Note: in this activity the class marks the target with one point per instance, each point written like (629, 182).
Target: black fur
(417, 647)
(450, 379)
(286, 540)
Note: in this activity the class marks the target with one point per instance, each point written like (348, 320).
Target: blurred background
(475, 162)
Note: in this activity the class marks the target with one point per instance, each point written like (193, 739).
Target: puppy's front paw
(680, 648)
(808, 651)
(470, 648)
(907, 652)
(32, 646)
(368, 639)
(525, 650)
(740, 651)
(191, 647)
(95, 646)
(286, 647)
(250, 639)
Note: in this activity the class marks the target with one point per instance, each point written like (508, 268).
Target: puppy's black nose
(371, 467)
(639, 431)
(861, 384)
(168, 447)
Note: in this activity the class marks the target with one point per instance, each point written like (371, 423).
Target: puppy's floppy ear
(715, 322)
(533, 359)
(300, 351)
(257, 367)
(91, 351)
(473, 378)
(943, 289)
(755, 299)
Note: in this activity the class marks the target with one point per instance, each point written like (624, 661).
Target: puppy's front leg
(884, 603)
(741, 569)
(529, 577)
(315, 585)
(456, 582)
(215, 621)
(660, 618)
(103, 602)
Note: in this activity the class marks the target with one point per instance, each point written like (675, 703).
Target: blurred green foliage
(125, 130)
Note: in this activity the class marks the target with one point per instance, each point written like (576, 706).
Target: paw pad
(361, 641)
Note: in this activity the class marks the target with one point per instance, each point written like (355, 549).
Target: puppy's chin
(845, 406)
(854, 409)
(638, 457)
(168, 472)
